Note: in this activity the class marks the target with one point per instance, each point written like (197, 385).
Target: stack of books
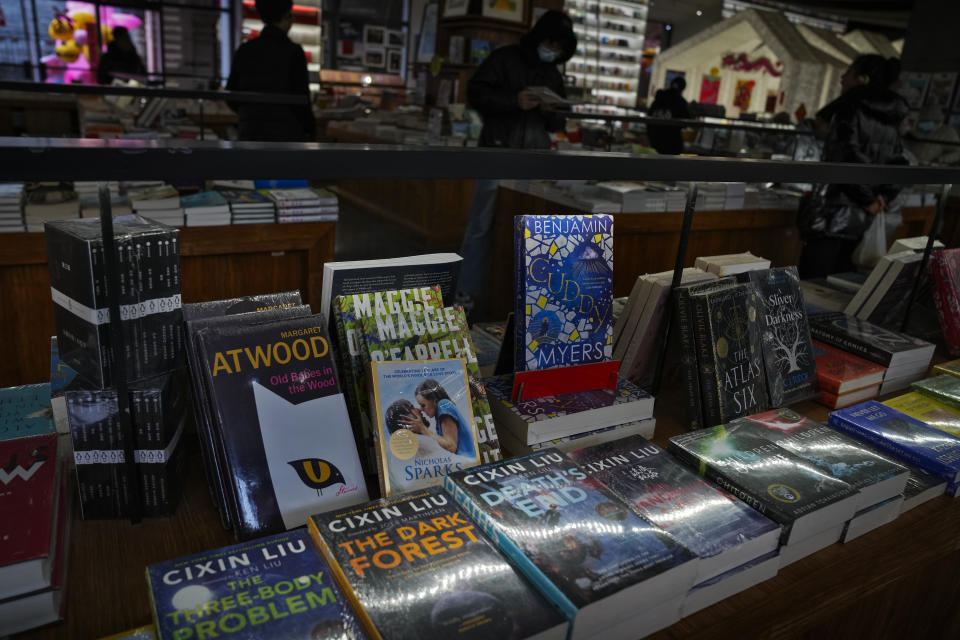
(882, 299)
(731, 264)
(821, 296)
(11, 207)
(90, 206)
(248, 206)
(205, 209)
(48, 203)
(158, 202)
(304, 205)
(90, 189)
(843, 378)
(34, 512)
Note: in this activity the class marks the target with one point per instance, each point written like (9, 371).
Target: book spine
(853, 345)
(350, 386)
(688, 360)
(513, 553)
(946, 297)
(342, 582)
(924, 462)
(520, 295)
(709, 388)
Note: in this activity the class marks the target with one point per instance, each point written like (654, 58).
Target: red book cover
(839, 372)
(854, 397)
(28, 490)
(945, 272)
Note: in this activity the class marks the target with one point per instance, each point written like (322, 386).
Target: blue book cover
(61, 374)
(25, 411)
(578, 542)
(564, 290)
(276, 587)
(907, 438)
(667, 494)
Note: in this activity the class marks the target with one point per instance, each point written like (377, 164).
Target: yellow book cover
(936, 414)
(951, 368)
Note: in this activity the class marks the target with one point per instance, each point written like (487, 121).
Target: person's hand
(415, 421)
(877, 206)
(527, 100)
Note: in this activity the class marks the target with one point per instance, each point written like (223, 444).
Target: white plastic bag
(873, 245)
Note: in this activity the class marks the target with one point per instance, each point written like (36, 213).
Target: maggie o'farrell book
(277, 587)
(563, 277)
(416, 566)
(588, 552)
(287, 437)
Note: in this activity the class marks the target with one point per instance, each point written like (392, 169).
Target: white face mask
(546, 54)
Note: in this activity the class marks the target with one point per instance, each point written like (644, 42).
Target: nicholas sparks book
(424, 422)
(417, 567)
(276, 587)
(563, 277)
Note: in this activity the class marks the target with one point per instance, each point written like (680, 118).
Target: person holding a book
(272, 63)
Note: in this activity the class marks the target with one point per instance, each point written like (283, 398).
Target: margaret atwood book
(415, 566)
(606, 568)
(273, 587)
(283, 421)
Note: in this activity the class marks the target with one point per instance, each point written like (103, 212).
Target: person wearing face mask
(929, 130)
(862, 126)
(513, 117)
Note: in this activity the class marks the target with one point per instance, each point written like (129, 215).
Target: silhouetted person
(121, 57)
(272, 63)
(668, 103)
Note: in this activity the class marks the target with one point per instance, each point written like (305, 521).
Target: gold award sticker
(783, 493)
(403, 444)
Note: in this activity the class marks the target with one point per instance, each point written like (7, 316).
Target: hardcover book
(599, 562)
(840, 372)
(732, 375)
(431, 334)
(788, 355)
(283, 421)
(926, 409)
(843, 457)
(564, 290)
(944, 388)
(725, 533)
(278, 586)
(390, 556)
(775, 481)
(424, 422)
(536, 420)
(902, 436)
(876, 344)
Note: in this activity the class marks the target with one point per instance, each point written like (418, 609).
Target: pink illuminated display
(74, 31)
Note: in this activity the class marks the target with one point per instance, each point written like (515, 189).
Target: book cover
(564, 297)
(944, 388)
(921, 486)
(28, 488)
(867, 340)
(283, 422)
(391, 557)
(666, 493)
(927, 409)
(279, 586)
(788, 354)
(902, 436)
(572, 536)
(733, 370)
(832, 452)
(776, 482)
(840, 372)
(951, 368)
(431, 334)
(887, 304)
(945, 277)
(424, 420)
(25, 411)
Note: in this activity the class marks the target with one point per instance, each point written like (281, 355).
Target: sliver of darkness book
(725, 532)
(432, 334)
(276, 587)
(285, 431)
(776, 482)
(788, 353)
(599, 562)
(843, 457)
(415, 566)
(563, 276)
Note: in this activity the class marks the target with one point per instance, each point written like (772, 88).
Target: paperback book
(389, 556)
(839, 372)
(876, 344)
(943, 388)
(563, 277)
(928, 410)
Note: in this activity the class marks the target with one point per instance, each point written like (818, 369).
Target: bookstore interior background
(709, 356)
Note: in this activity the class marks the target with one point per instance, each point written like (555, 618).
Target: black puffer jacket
(493, 89)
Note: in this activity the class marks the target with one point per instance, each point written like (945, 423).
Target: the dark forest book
(415, 566)
(776, 482)
(788, 355)
(874, 476)
(282, 420)
(276, 587)
(725, 532)
(563, 290)
(588, 552)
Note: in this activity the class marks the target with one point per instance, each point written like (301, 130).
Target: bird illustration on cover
(317, 473)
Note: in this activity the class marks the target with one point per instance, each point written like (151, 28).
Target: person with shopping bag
(844, 226)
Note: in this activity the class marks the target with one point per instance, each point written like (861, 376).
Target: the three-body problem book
(415, 566)
(285, 431)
